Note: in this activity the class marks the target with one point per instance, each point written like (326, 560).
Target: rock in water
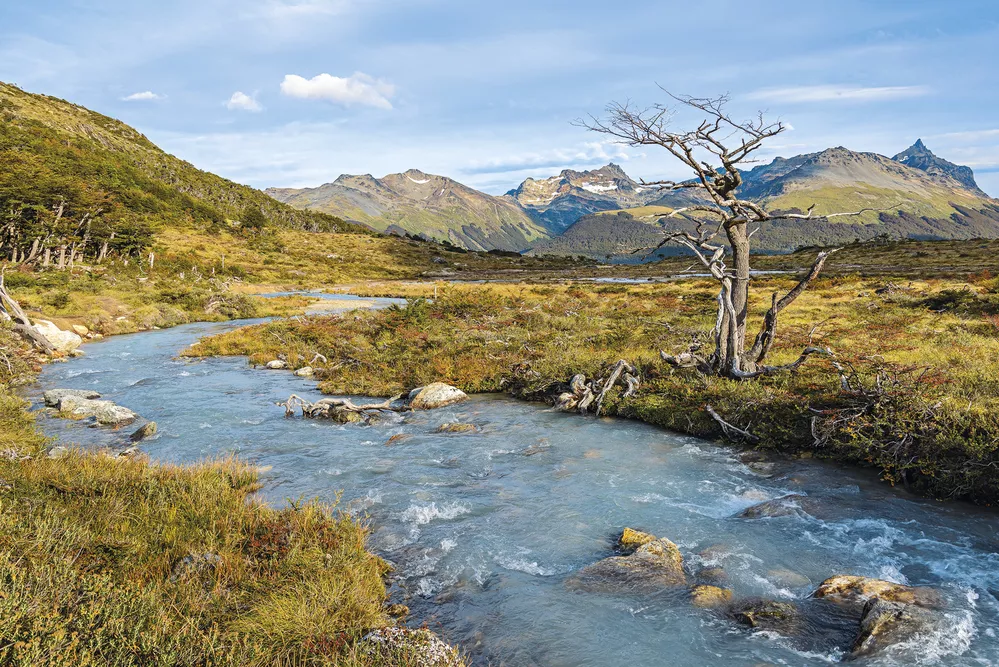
(146, 430)
(886, 623)
(107, 413)
(782, 617)
(276, 365)
(848, 588)
(63, 341)
(435, 395)
(653, 567)
(632, 539)
(53, 397)
(457, 428)
(305, 372)
(790, 505)
(708, 597)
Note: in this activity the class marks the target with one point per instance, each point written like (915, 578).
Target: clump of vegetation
(904, 391)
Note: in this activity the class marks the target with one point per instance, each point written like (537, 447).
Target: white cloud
(243, 102)
(831, 93)
(587, 154)
(144, 96)
(359, 88)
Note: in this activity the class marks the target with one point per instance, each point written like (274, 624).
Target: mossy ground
(917, 348)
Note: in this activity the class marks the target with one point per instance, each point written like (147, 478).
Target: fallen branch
(730, 430)
(11, 311)
(338, 408)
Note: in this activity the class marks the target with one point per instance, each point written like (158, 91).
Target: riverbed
(486, 527)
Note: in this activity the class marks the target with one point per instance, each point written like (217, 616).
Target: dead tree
(11, 311)
(716, 151)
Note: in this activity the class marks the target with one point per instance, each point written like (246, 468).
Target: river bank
(488, 527)
(107, 558)
(921, 408)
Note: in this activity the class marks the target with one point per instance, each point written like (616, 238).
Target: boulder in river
(886, 623)
(849, 588)
(457, 428)
(63, 341)
(276, 365)
(793, 504)
(52, 397)
(782, 617)
(145, 431)
(107, 413)
(652, 567)
(435, 395)
(305, 372)
(709, 597)
(632, 539)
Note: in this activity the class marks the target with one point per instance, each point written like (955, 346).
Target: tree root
(731, 431)
(583, 395)
(340, 409)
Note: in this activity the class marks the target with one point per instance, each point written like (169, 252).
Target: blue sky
(296, 92)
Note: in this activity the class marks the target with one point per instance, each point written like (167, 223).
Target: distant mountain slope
(559, 201)
(920, 157)
(939, 201)
(52, 151)
(422, 204)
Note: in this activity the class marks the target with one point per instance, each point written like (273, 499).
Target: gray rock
(412, 647)
(146, 430)
(63, 341)
(276, 365)
(887, 623)
(107, 413)
(52, 397)
(652, 567)
(855, 589)
(435, 395)
(305, 372)
(57, 452)
(793, 504)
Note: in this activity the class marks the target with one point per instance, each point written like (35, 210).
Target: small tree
(252, 218)
(715, 151)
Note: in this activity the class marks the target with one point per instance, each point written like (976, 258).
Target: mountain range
(604, 212)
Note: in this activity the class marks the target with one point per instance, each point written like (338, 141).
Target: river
(486, 527)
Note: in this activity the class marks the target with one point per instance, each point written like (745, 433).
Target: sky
(293, 93)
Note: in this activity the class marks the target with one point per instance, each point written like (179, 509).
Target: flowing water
(486, 527)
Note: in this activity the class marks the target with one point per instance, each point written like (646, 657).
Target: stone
(792, 504)
(63, 341)
(457, 428)
(411, 647)
(57, 452)
(886, 623)
(276, 365)
(849, 588)
(435, 395)
(632, 539)
(305, 372)
(146, 430)
(107, 413)
(77, 353)
(709, 597)
(342, 415)
(783, 577)
(651, 568)
(80, 330)
(52, 397)
(397, 438)
(712, 575)
(765, 614)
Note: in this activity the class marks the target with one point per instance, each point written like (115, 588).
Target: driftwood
(582, 394)
(731, 431)
(339, 409)
(11, 311)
